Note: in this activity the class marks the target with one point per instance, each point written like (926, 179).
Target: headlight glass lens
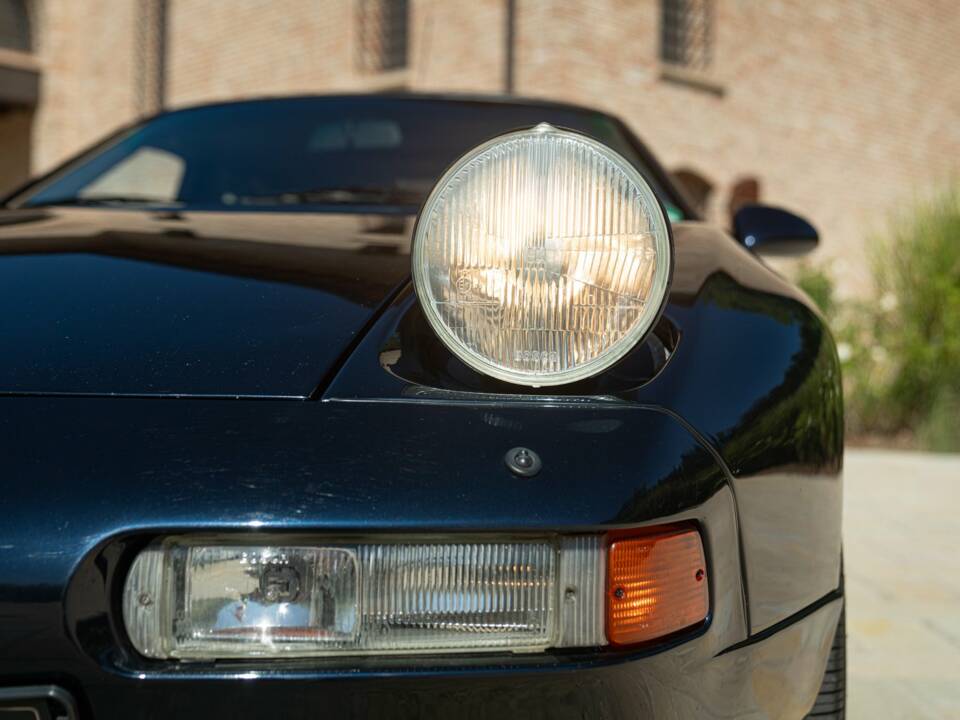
(541, 257)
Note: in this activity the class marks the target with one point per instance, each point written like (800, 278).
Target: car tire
(831, 700)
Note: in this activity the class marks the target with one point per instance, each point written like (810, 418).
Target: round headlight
(541, 257)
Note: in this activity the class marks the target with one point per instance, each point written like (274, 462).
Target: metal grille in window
(15, 25)
(383, 26)
(686, 33)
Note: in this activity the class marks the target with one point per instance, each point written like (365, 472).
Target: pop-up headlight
(541, 257)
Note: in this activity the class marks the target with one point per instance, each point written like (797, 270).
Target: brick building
(842, 110)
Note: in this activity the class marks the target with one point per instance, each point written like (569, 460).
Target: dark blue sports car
(409, 406)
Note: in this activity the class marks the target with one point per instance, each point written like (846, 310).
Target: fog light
(186, 598)
(656, 585)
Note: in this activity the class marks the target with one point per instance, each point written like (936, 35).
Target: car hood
(125, 302)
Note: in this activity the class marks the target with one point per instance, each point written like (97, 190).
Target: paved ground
(902, 548)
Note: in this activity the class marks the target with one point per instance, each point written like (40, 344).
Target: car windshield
(301, 153)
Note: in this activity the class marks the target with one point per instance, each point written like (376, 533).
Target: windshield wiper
(329, 196)
(102, 201)
(320, 196)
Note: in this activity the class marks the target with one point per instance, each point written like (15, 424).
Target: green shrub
(901, 349)
(917, 270)
(938, 430)
(868, 370)
(817, 283)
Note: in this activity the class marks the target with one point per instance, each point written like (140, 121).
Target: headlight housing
(542, 257)
(211, 597)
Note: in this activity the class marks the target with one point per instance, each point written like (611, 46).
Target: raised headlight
(541, 257)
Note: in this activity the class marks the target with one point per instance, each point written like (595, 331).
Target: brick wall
(842, 110)
(305, 46)
(221, 50)
(87, 89)
(459, 46)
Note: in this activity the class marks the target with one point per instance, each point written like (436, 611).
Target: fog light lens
(188, 599)
(224, 601)
(656, 585)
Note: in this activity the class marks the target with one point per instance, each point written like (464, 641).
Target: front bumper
(301, 467)
(775, 677)
(717, 671)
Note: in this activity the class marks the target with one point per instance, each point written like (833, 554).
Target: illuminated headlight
(541, 257)
(205, 598)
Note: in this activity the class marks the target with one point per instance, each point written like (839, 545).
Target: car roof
(404, 95)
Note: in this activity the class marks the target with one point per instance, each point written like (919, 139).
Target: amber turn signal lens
(656, 585)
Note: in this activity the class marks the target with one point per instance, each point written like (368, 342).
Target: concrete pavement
(902, 555)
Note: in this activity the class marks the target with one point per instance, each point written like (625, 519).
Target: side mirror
(773, 231)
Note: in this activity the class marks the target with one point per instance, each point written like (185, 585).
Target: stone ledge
(695, 79)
